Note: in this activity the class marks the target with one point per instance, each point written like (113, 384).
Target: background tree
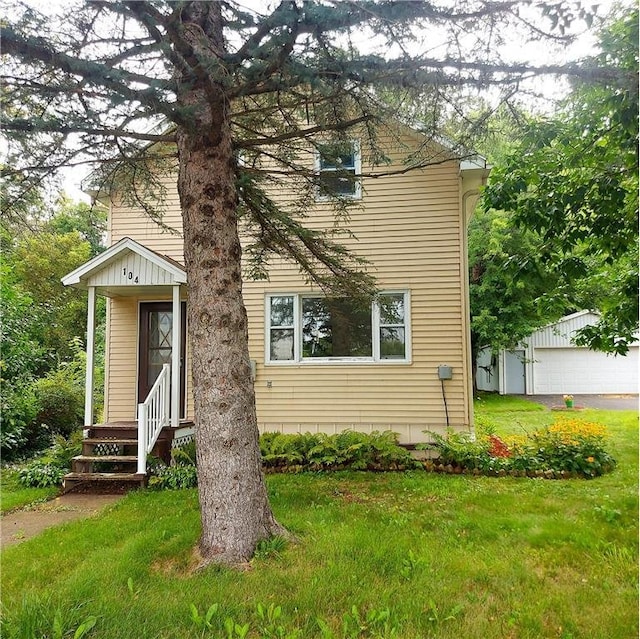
(124, 81)
(507, 289)
(43, 324)
(573, 179)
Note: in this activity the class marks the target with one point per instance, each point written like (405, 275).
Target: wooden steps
(120, 477)
(109, 458)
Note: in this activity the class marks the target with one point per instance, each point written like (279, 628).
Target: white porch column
(175, 358)
(91, 340)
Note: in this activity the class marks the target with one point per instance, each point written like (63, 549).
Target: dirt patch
(24, 524)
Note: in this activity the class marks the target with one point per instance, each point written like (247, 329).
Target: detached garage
(550, 364)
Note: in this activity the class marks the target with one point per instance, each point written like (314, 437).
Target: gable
(125, 269)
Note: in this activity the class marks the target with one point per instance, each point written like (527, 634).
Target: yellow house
(401, 365)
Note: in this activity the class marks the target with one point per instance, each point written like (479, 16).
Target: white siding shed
(551, 364)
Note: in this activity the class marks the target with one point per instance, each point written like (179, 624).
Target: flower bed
(570, 447)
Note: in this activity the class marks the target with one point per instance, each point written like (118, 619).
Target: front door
(156, 324)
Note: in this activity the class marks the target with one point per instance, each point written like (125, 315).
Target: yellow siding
(121, 361)
(412, 229)
(131, 222)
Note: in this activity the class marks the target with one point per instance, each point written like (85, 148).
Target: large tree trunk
(233, 500)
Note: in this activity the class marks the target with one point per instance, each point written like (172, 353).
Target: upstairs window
(307, 328)
(338, 167)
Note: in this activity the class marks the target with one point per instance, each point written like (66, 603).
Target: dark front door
(156, 337)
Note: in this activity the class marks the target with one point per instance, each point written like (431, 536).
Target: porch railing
(153, 416)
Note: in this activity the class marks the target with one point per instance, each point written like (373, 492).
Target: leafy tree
(128, 82)
(39, 261)
(507, 289)
(574, 180)
(43, 326)
(21, 356)
(89, 221)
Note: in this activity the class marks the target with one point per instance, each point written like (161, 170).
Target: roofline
(126, 243)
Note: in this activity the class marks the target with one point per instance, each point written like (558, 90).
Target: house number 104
(130, 276)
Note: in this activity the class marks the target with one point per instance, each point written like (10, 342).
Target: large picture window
(308, 328)
(338, 167)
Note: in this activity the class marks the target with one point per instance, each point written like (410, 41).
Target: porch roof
(128, 269)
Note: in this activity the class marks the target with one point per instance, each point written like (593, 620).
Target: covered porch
(131, 271)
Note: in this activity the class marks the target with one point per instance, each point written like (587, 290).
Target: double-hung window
(310, 328)
(338, 167)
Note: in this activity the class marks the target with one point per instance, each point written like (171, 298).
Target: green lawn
(14, 495)
(413, 554)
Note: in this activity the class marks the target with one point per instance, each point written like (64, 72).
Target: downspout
(466, 306)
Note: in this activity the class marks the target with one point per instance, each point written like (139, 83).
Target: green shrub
(60, 403)
(299, 452)
(348, 449)
(575, 446)
(41, 474)
(63, 450)
(185, 455)
(18, 433)
(173, 477)
(567, 447)
(50, 468)
(279, 449)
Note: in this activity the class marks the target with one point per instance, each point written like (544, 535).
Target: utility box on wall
(445, 372)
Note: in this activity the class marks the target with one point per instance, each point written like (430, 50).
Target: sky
(514, 49)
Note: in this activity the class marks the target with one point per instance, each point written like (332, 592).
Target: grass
(407, 555)
(14, 495)
(492, 403)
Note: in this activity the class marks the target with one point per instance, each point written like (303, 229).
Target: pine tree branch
(54, 126)
(117, 80)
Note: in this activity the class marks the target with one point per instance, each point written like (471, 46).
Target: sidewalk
(21, 525)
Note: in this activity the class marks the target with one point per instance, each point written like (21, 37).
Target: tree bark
(234, 505)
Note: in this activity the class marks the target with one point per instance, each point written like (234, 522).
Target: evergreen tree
(129, 82)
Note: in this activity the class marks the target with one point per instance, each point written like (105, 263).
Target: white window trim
(357, 161)
(299, 360)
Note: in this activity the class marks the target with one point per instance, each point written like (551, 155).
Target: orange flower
(591, 459)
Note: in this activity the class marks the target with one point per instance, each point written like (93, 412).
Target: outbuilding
(549, 363)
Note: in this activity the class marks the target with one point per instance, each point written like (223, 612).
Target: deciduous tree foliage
(573, 179)
(125, 81)
(508, 291)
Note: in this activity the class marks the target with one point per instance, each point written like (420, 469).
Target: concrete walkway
(604, 402)
(21, 525)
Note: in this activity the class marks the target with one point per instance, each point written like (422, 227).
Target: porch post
(175, 358)
(91, 337)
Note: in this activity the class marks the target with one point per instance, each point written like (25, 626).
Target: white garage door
(579, 370)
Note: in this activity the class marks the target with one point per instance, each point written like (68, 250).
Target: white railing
(153, 416)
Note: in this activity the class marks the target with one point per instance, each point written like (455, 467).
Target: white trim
(176, 335)
(299, 360)
(89, 367)
(78, 276)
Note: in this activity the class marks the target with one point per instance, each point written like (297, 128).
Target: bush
(569, 447)
(181, 474)
(60, 403)
(349, 449)
(18, 434)
(573, 445)
(173, 477)
(297, 453)
(40, 474)
(185, 455)
(50, 468)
